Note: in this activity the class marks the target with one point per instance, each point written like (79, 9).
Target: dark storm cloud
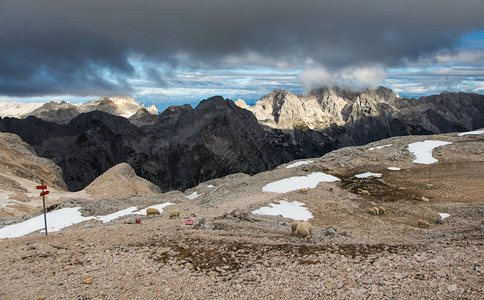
(83, 47)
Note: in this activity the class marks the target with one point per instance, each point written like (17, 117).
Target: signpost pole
(43, 202)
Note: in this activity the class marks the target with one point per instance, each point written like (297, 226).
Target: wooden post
(43, 202)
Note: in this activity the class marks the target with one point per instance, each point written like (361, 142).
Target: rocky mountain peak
(151, 109)
(121, 106)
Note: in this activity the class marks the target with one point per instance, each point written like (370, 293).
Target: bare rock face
(330, 118)
(143, 117)
(20, 160)
(215, 139)
(21, 170)
(121, 181)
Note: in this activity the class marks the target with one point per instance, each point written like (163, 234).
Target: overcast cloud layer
(145, 47)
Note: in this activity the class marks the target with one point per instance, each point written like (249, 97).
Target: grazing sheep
(152, 211)
(304, 229)
(175, 214)
(303, 191)
(372, 211)
(423, 223)
(381, 210)
(365, 192)
(376, 210)
(294, 226)
(424, 199)
(275, 201)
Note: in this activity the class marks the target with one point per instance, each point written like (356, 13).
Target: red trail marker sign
(43, 193)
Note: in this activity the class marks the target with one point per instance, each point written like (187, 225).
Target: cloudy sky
(172, 52)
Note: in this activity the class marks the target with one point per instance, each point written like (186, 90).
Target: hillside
(21, 170)
(231, 252)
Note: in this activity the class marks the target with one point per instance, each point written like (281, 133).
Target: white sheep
(423, 223)
(175, 214)
(371, 211)
(294, 226)
(304, 229)
(381, 210)
(152, 211)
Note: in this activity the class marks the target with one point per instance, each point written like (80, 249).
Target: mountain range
(184, 146)
(63, 112)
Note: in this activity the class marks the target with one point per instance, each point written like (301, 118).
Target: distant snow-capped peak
(16, 109)
(63, 112)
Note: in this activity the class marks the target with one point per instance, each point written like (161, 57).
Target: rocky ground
(231, 253)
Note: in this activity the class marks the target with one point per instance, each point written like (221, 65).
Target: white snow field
(157, 206)
(368, 174)
(16, 109)
(394, 168)
(423, 151)
(299, 163)
(193, 195)
(379, 147)
(444, 215)
(293, 210)
(298, 182)
(475, 132)
(65, 217)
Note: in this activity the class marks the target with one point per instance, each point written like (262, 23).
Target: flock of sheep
(298, 228)
(153, 211)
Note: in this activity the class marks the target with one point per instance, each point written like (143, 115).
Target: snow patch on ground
(298, 182)
(378, 147)
(65, 217)
(158, 207)
(293, 210)
(444, 215)
(192, 196)
(368, 174)
(394, 168)
(110, 217)
(56, 220)
(210, 186)
(299, 163)
(475, 132)
(423, 151)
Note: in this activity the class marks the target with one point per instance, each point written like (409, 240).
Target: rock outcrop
(21, 170)
(121, 181)
(20, 160)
